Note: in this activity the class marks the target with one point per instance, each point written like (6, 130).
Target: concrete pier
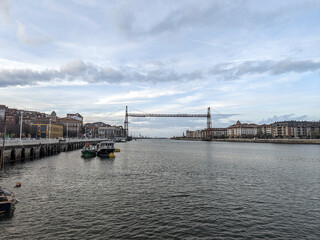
(16, 150)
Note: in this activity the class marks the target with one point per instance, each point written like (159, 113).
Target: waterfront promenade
(251, 140)
(24, 149)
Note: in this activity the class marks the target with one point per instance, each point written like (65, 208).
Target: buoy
(117, 150)
(18, 184)
(111, 155)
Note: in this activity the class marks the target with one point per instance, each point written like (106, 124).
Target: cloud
(286, 117)
(190, 98)
(79, 71)
(236, 70)
(139, 95)
(220, 116)
(213, 15)
(29, 40)
(5, 11)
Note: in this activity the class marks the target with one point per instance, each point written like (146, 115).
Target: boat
(105, 148)
(121, 140)
(7, 201)
(88, 151)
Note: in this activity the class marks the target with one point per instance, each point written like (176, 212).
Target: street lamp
(21, 126)
(50, 129)
(67, 130)
(3, 142)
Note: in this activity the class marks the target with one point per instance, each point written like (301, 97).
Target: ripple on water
(163, 189)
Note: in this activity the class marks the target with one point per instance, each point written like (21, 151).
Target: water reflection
(169, 189)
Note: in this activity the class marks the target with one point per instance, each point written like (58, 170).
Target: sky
(254, 61)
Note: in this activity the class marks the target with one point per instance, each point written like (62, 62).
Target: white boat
(105, 147)
(121, 140)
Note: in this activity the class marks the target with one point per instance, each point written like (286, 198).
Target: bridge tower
(126, 123)
(209, 124)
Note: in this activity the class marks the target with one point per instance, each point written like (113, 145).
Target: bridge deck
(165, 115)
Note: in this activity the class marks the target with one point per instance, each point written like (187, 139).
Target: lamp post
(50, 129)
(3, 143)
(21, 120)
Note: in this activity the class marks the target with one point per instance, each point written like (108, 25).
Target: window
(43, 128)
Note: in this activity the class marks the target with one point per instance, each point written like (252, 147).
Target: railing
(17, 141)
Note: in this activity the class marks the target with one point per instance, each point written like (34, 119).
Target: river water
(166, 189)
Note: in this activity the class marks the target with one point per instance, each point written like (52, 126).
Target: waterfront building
(189, 134)
(296, 129)
(198, 134)
(11, 120)
(242, 130)
(75, 116)
(264, 131)
(3, 109)
(72, 127)
(99, 124)
(214, 133)
(46, 129)
(111, 131)
(90, 131)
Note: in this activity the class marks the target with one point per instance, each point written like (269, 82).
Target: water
(165, 189)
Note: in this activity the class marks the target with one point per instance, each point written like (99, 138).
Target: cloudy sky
(253, 61)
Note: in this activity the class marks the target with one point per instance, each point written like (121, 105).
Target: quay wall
(29, 151)
(278, 141)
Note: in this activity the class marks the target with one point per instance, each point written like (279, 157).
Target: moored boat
(105, 148)
(121, 140)
(88, 151)
(7, 201)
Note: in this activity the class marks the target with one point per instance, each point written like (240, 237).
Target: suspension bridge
(127, 115)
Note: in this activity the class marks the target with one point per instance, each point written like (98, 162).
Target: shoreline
(246, 140)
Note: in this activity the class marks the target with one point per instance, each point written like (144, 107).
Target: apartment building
(242, 130)
(264, 131)
(72, 127)
(111, 131)
(295, 129)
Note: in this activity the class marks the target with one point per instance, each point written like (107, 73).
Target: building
(72, 127)
(90, 131)
(46, 129)
(264, 131)
(242, 130)
(3, 109)
(111, 131)
(75, 116)
(296, 129)
(215, 133)
(198, 134)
